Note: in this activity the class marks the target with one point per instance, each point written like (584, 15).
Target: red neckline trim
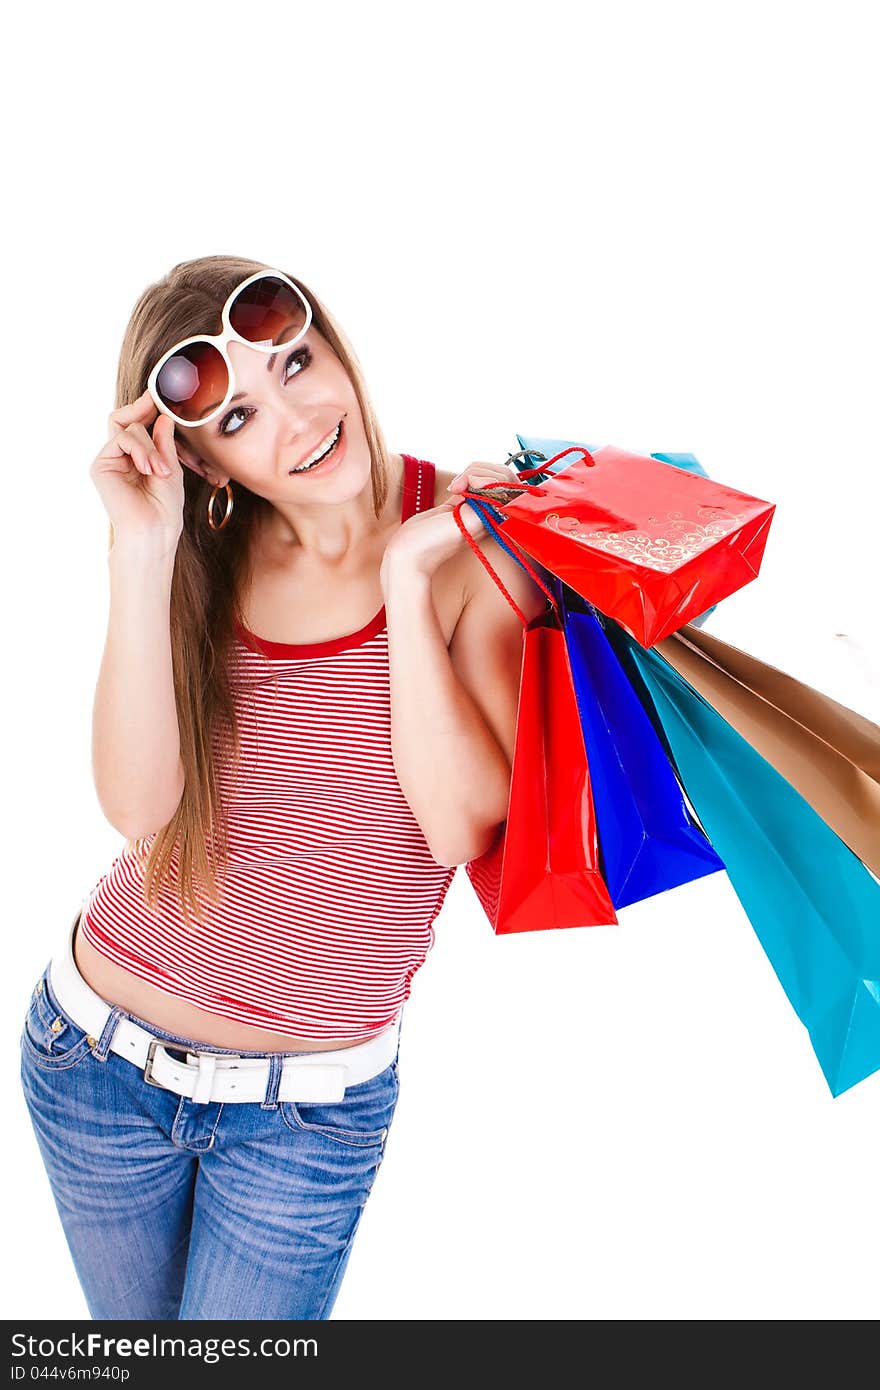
(280, 650)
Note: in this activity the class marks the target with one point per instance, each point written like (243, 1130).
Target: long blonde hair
(211, 570)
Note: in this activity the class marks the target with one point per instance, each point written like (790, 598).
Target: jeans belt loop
(205, 1079)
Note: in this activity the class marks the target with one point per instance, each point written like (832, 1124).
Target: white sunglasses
(194, 380)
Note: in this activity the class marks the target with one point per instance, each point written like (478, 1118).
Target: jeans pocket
(360, 1119)
(50, 1037)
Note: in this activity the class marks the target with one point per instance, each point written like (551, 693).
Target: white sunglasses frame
(219, 340)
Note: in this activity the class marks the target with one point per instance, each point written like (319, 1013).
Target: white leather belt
(208, 1075)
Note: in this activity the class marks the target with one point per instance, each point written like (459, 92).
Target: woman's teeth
(321, 452)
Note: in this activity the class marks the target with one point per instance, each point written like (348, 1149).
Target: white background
(656, 231)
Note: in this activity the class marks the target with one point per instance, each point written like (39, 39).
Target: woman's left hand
(428, 538)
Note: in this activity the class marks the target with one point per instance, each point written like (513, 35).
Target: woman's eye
(298, 353)
(301, 355)
(239, 410)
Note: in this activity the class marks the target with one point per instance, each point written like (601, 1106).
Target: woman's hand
(428, 538)
(477, 475)
(139, 476)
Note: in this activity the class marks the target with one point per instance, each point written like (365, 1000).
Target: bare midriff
(116, 985)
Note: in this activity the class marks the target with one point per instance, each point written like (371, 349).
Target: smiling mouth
(328, 450)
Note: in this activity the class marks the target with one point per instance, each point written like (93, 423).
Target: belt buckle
(148, 1069)
(176, 1047)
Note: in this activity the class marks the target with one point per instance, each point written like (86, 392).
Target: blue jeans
(179, 1209)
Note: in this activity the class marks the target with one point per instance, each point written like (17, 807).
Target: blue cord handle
(482, 508)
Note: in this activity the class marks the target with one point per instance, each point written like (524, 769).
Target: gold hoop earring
(218, 526)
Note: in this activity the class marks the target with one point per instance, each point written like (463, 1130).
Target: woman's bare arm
(136, 759)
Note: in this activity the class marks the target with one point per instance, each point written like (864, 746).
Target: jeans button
(57, 1025)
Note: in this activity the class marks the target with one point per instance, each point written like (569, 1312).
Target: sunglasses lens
(193, 381)
(268, 311)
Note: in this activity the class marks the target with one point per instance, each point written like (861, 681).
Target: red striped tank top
(331, 890)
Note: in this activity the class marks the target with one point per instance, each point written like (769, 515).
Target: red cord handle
(544, 467)
(521, 556)
(456, 512)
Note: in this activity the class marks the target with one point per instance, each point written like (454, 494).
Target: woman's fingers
(478, 474)
(149, 453)
(478, 477)
(142, 412)
(138, 442)
(152, 452)
(163, 443)
(131, 444)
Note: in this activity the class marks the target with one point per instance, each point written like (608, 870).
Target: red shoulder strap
(418, 486)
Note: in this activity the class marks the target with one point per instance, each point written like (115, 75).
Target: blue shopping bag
(648, 840)
(813, 904)
(547, 448)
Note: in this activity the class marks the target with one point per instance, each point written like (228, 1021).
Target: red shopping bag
(648, 545)
(542, 870)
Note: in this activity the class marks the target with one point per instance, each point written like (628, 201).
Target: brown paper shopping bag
(830, 754)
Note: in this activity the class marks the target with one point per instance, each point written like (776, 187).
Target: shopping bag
(829, 753)
(648, 840)
(542, 870)
(812, 903)
(649, 545)
(534, 448)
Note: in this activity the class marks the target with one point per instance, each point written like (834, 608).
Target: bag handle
(545, 468)
(480, 505)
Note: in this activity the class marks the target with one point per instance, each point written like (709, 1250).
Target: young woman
(303, 722)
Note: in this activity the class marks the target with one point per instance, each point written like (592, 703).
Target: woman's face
(285, 406)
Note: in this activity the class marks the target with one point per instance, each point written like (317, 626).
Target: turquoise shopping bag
(814, 906)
